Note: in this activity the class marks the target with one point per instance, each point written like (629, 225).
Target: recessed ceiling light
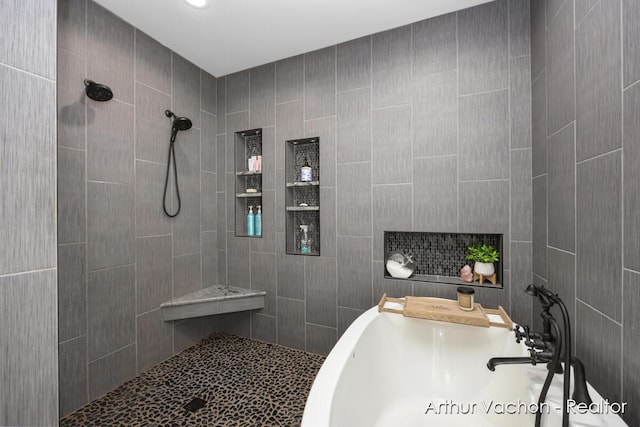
(199, 4)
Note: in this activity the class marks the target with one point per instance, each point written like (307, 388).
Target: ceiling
(234, 35)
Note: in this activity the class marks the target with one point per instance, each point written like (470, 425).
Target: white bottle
(305, 172)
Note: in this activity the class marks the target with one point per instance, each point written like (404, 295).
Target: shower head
(179, 123)
(97, 91)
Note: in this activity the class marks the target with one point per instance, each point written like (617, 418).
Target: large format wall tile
(290, 271)
(186, 226)
(598, 80)
(238, 91)
(263, 277)
(110, 225)
(631, 346)
(209, 142)
(354, 126)
(521, 197)
(153, 339)
(29, 368)
(187, 148)
(109, 372)
(208, 214)
(221, 103)
(538, 37)
(354, 64)
(208, 93)
(521, 302)
(346, 316)
(562, 279)
(391, 67)
(291, 325)
(630, 34)
(209, 258)
(539, 125)
(354, 272)
(435, 179)
(560, 75)
(29, 36)
(562, 188)
(484, 207)
(150, 217)
(110, 152)
(519, 22)
(599, 235)
(221, 161)
(520, 102)
(153, 63)
(72, 291)
(71, 100)
(483, 47)
(263, 328)
(72, 374)
(186, 89)
(320, 339)
(321, 290)
(391, 145)
(111, 310)
(354, 199)
(110, 37)
(598, 345)
(28, 200)
(290, 79)
(153, 128)
(262, 99)
(328, 221)
(435, 114)
(391, 212)
(435, 45)
(539, 225)
(72, 221)
(153, 272)
(72, 28)
(239, 267)
(484, 136)
(320, 83)
(631, 177)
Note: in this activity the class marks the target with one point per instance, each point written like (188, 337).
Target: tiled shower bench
(216, 299)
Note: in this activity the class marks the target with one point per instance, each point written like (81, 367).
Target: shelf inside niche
(245, 173)
(302, 208)
(303, 183)
(244, 195)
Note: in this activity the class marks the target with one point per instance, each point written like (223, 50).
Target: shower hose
(172, 154)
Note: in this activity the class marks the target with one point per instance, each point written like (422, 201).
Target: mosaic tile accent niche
(440, 256)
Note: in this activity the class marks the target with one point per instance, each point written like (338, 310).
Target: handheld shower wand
(178, 124)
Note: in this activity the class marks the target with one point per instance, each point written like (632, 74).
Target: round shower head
(97, 91)
(182, 123)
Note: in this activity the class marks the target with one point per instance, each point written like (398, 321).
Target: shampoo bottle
(305, 172)
(304, 242)
(251, 222)
(258, 222)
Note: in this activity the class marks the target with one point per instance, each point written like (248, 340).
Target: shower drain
(195, 404)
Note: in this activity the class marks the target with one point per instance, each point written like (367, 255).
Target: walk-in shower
(178, 123)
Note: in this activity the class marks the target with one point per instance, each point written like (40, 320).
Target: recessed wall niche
(438, 257)
(248, 148)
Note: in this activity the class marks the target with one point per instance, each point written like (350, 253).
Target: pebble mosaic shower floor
(243, 382)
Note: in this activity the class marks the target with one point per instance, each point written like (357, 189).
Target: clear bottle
(251, 231)
(305, 172)
(305, 243)
(258, 222)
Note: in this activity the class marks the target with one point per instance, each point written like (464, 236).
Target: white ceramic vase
(484, 268)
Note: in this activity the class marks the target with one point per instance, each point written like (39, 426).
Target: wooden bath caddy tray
(445, 310)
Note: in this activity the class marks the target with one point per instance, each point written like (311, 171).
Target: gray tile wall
(120, 256)
(585, 180)
(415, 134)
(28, 291)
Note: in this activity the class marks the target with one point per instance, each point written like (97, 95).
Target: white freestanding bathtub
(391, 370)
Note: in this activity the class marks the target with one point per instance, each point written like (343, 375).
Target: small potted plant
(484, 256)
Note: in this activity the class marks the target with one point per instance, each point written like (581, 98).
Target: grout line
(465, 95)
(435, 157)
(23, 71)
(622, 199)
(631, 271)
(19, 273)
(599, 156)
(572, 122)
(111, 353)
(146, 85)
(599, 312)
(72, 339)
(560, 250)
